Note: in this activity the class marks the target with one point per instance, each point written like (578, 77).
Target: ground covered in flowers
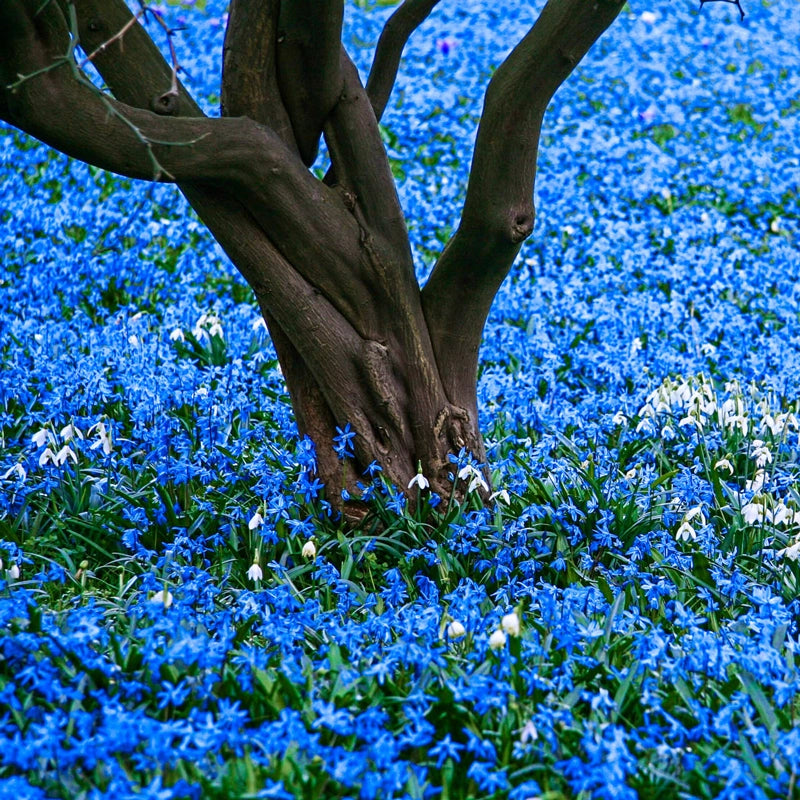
(181, 617)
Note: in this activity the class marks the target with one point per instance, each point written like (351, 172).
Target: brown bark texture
(329, 260)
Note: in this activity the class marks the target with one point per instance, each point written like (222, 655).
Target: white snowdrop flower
(753, 513)
(63, 454)
(761, 453)
(667, 433)
(136, 316)
(309, 550)
(455, 630)
(259, 324)
(782, 514)
(475, 478)
(19, 470)
(501, 496)
(792, 552)
(636, 346)
(69, 432)
(1, 564)
(419, 480)
(631, 474)
(775, 225)
(724, 464)
(686, 532)
(510, 623)
(255, 573)
(619, 418)
(133, 340)
(695, 513)
(162, 597)
(708, 349)
(13, 572)
(47, 457)
(177, 335)
(38, 338)
(528, 733)
(255, 521)
(497, 640)
(103, 437)
(760, 479)
(42, 437)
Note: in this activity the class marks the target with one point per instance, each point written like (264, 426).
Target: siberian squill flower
(255, 573)
(497, 639)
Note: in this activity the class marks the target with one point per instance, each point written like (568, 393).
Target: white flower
(255, 573)
(724, 463)
(497, 640)
(19, 469)
(502, 495)
(41, 437)
(619, 418)
(255, 521)
(133, 340)
(309, 550)
(455, 630)
(103, 437)
(13, 572)
(63, 454)
(759, 480)
(528, 733)
(474, 476)
(259, 324)
(686, 532)
(162, 597)
(69, 432)
(753, 513)
(419, 480)
(510, 624)
(177, 335)
(792, 552)
(46, 457)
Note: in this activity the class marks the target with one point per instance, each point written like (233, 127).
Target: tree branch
(309, 77)
(249, 71)
(498, 211)
(393, 38)
(361, 165)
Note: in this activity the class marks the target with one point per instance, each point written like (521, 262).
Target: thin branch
(498, 211)
(392, 41)
(309, 76)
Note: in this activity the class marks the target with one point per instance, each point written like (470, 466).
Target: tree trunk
(329, 261)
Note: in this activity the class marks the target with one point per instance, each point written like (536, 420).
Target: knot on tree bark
(165, 104)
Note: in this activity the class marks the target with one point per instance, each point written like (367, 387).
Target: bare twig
(392, 41)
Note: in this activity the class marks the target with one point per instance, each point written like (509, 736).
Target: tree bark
(329, 261)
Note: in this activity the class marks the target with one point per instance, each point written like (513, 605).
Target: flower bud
(510, 624)
(497, 640)
(455, 630)
(309, 550)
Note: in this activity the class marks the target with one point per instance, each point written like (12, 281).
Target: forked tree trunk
(329, 261)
